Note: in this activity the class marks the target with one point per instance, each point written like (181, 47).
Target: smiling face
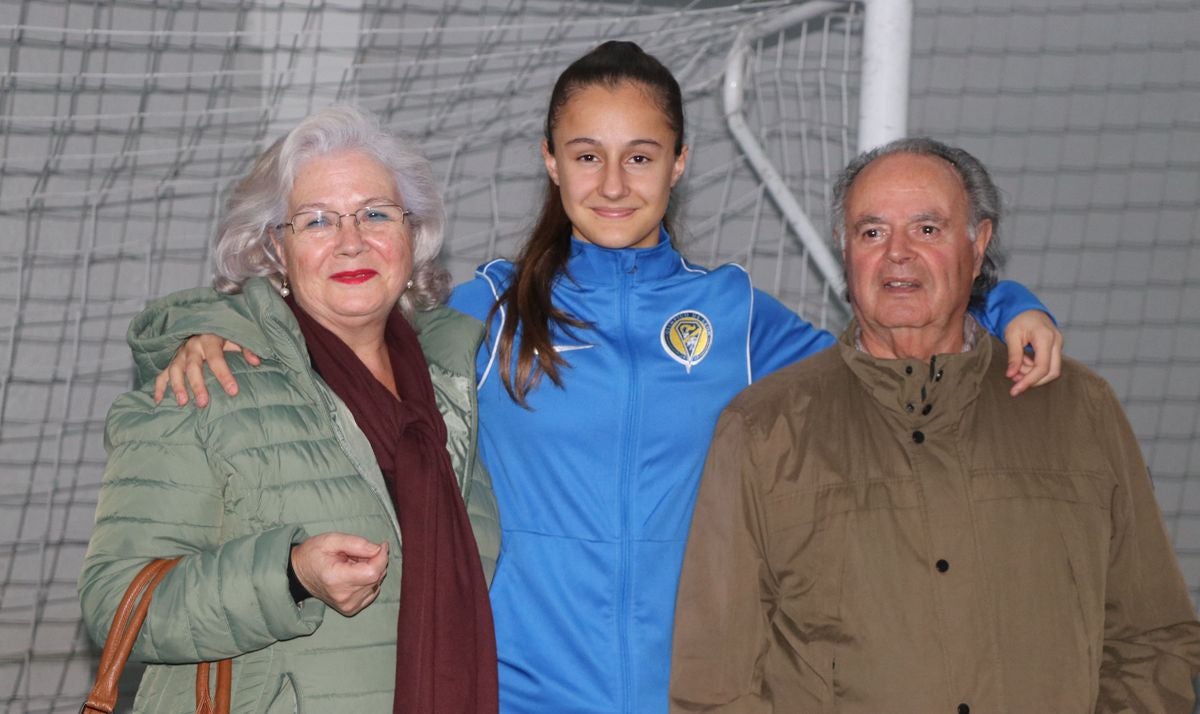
(909, 258)
(615, 164)
(352, 280)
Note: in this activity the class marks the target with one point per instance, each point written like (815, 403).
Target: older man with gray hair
(883, 528)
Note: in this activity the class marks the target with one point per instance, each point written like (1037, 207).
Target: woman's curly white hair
(258, 203)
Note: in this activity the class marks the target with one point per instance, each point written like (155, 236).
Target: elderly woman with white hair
(356, 434)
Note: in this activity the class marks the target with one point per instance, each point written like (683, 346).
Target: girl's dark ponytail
(527, 301)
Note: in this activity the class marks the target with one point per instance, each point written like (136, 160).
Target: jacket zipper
(384, 499)
(472, 436)
(625, 478)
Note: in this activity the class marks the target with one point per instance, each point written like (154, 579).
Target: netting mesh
(124, 123)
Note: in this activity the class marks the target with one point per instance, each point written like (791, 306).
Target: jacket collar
(448, 339)
(277, 323)
(927, 394)
(593, 264)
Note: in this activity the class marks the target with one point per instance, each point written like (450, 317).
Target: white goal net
(124, 123)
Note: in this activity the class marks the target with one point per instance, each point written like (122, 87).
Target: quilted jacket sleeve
(161, 496)
(158, 331)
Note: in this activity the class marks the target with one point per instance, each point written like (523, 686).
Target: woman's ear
(276, 245)
(551, 162)
(275, 236)
(680, 165)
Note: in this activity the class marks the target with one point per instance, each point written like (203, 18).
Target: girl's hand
(1033, 328)
(186, 369)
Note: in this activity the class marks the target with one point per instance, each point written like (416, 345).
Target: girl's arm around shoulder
(476, 296)
(1015, 315)
(778, 336)
(1005, 302)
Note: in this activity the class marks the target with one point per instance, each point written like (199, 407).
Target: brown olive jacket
(895, 536)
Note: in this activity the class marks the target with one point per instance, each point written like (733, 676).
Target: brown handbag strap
(206, 703)
(123, 632)
(126, 624)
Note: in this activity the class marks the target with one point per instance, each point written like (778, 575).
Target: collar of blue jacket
(592, 264)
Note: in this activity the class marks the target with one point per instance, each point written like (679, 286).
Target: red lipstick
(353, 277)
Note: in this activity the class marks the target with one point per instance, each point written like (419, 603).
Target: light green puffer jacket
(232, 486)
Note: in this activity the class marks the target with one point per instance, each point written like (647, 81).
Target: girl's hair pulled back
(527, 301)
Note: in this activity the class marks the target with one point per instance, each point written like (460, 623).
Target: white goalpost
(881, 116)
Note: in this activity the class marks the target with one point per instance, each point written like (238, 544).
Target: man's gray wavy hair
(258, 203)
(983, 198)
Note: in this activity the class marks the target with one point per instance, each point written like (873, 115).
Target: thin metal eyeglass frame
(358, 223)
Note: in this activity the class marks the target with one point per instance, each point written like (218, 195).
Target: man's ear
(551, 162)
(983, 236)
(845, 273)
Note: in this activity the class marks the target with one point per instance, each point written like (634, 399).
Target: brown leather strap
(206, 703)
(123, 632)
(126, 624)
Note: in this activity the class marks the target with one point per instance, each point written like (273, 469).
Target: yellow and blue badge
(687, 336)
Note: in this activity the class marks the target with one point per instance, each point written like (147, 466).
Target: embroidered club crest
(687, 336)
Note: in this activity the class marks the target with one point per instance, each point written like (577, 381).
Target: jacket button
(918, 436)
(937, 378)
(908, 369)
(964, 709)
(942, 566)
(928, 408)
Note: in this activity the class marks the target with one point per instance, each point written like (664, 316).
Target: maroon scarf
(446, 647)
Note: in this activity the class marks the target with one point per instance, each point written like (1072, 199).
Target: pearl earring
(409, 284)
(284, 290)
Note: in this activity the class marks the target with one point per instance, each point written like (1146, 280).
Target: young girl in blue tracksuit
(607, 361)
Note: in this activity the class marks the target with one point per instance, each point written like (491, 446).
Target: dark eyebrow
(588, 141)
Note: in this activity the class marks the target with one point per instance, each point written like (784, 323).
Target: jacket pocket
(1082, 488)
(815, 546)
(1045, 536)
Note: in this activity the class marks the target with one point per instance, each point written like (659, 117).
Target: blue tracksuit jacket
(597, 480)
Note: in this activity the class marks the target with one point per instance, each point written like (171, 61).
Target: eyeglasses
(320, 225)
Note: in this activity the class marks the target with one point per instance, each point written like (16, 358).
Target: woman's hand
(186, 369)
(1035, 328)
(343, 571)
